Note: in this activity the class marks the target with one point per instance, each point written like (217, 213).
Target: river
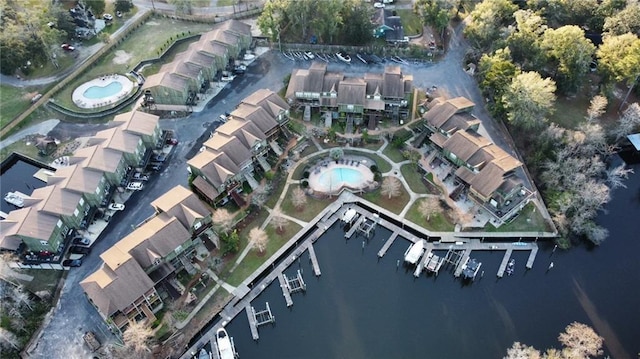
(362, 307)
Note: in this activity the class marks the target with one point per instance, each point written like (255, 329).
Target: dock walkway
(314, 260)
(387, 244)
(285, 289)
(355, 227)
(505, 261)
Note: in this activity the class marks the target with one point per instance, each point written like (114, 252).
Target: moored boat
(15, 199)
(414, 252)
(343, 57)
(204, 354)
(225, 349)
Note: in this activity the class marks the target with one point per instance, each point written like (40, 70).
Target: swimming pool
(334, 177)
(102, 91)
(98, 92)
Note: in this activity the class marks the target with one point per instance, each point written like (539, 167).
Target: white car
(107, 17)
(135, 186)
(116, 207)
(378, 5)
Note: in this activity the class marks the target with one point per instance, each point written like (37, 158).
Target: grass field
(439, 222)
(393, 153)
(413, 178)
(155, 34)
(411, 22)
(529, 220)
(14, 101)
(308, 211)
(393, 204)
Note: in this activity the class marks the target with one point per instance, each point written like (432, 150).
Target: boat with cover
(414, 252)
(15, 199)
(204, 354)
(224, 344)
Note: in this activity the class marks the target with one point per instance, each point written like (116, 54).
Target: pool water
(337, 177)
(97, 92)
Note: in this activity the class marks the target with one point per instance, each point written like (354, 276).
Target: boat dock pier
(290, 286)
(387, 244)
(532, 257)
(285, 290)
(368, 226)
(314, 260)
(354, 227)
(463, 262)
(257, 319)
(426, 257)
(505, 261)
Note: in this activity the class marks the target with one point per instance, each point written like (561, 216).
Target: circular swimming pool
(333, 177)
(102, 91)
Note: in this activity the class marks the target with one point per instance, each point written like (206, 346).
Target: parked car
(223, 118)
(172, 141)
(107, 17)
(116, 206)
(140, 177)
(155, 167)
(79, 250)
(91, 341)
(240, 69)
(72, 262)
(378, 5)
(227, 78)
(135, 186)
(67, 47)
(81, 240)
(158, 158)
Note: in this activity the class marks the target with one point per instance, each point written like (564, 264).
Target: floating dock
(314, 260)
(463, 262)
(387, 244)
(505, 261)
(426, 257)
(285, 290)
(257, 319)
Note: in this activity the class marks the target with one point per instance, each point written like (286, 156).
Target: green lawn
(311, 209)
(414, 178)
(42, 279)
(383, 165)
(394, 154)
(411, 22)
(529, 220)
(23, 148)
(254, 259)
(439, 222)
(155, 34)
(275, 194)
(65, 60)
(569, 112)
(394, 204)
(14, 101)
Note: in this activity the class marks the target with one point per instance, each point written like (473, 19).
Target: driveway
(62, 336)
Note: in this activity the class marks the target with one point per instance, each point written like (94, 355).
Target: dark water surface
(362, 307)
(18, 176)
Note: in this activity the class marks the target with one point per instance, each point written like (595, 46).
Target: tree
(230, 242)
(522, 351)
(487, 21)
(8, 339)
(259, 239)
(435, 13)
(123, 5)
(260, 195)
(625, 21)
(137, 337)
(429, 206)
(619, 58)
(279, 222)
(524, 42)
(597, 108)
(628, 122)
(97, 6)
(222, 219)
(569, 12)
(390, 187)
(336, 153)
(580, 341)
(495, 73)
(299, 198)
(569, 53)
(182, 6)
(414, 156)
(529, 100)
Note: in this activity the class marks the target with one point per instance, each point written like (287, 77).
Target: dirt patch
(29, 95)
(122, 57)
(152, 23)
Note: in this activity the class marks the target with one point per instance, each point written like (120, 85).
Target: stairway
(264, 164)
(251, 180)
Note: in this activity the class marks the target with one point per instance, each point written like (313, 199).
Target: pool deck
(90, 103)
(316, 178)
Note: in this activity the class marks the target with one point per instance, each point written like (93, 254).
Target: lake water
(18, 176)
(362, 307)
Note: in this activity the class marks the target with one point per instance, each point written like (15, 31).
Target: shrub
(374, 168)
(304, 183)
(305, 174)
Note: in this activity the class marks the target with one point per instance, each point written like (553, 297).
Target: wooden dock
(532, 257)
(387, 244)
(505, 261)
(314, 260)
(463, 262)
(354, 228)
(252, 322)
(285, 289)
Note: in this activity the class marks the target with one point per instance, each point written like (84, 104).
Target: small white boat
(414, 252)
(204, 354)
(310, 55)
(510, 266)
(343, 57)
(15, 199)
(225, 349)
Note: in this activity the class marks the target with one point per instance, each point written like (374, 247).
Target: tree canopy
(529, 100)
(569, 54)
(619, 57)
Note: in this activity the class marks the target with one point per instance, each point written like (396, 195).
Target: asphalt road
(62, 336)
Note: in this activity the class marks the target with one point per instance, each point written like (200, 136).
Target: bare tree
(522, 351)
(429, 206)
(8, 339)
(260, 195)
(597, 108)
(616, 175)
(299, 198)
(222, 219)
(137, 337)
(279, 222)
(21, 298)
(580, 341)
(390, 187)
(259, 238)
(629, 120)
